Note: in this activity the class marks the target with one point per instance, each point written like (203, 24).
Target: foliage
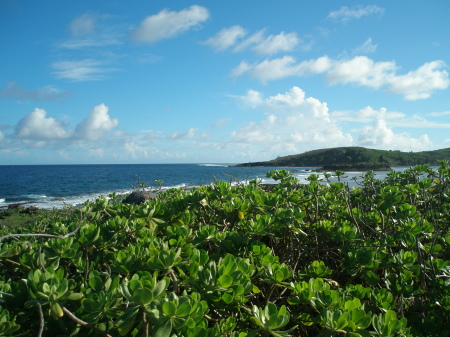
(344, 158)
(17, 215)
(223, 260)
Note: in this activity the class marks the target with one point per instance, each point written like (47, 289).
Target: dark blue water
(53, 186)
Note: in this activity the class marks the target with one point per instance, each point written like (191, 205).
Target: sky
(104, 82)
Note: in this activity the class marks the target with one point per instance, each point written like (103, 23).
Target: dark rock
(30, 210)
(138, 197)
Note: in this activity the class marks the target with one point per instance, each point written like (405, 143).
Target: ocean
(54, 186)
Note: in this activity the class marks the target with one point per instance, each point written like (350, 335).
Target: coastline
(35, 186)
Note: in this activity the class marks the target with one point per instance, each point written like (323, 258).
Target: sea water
(54, 186)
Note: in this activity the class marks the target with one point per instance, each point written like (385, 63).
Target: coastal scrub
(223, 260)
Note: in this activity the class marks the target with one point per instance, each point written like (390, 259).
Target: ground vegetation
(222, 260)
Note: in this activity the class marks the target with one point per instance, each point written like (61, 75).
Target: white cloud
(84, 70)
(366, 48)
(17, 91)
(226, 38)
(360, 71)
(368, 114)
(419, 122)
(395, 119)
(221, 122)
(97, 41)
(258, 42)
(167, 24)
(379, 135)
(345, 13)
(441, 113)
(277, 43)
(91, 30)
(189, 134)
(279, 68)
(293, 124)
(418, 84)
(92, 127)
(83, 25)
(35, 126)
(135, 150)
(253, 98)
(253, 39)
(241, 69)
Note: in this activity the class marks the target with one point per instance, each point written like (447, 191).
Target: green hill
(357, 158)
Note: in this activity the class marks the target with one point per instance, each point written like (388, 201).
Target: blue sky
(219, 81)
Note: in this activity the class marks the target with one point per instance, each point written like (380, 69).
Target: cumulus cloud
(345, 13)
(36, 130)
(363, 71)
(35, 126)
(293, 123)
(99, 121)
(360, 71)
(83, 70)
(379, 135)
(16, 91)
(226, 38)
(167, 24)
(368, 114)
(418, 84)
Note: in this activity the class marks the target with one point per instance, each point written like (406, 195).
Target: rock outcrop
(138, 197)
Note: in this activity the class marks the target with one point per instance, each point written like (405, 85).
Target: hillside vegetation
(239, 261)
(348, 157)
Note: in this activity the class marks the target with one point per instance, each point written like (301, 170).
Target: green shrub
(222, 260)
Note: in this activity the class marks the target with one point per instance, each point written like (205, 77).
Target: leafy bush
(222, 260)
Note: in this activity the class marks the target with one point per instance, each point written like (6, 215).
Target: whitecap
(214, 165)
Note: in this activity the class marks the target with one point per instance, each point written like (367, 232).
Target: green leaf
(190, 323)
(183, 309)
(126, 321)
(163, 330)
(169, 308)
(371, 278)
(75, 296)
(142, 296)
(89, 305)
(227, 298)
(160, 287)
(225, 281)
(95, 282)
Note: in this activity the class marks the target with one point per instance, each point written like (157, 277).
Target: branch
(41, 319)
(83, 323)
(39, 235)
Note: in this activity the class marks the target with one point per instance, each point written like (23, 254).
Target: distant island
(355, 158)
